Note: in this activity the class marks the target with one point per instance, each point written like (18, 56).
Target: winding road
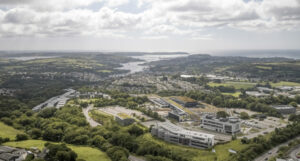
(88, 118)
(273, 152)
(293, 154)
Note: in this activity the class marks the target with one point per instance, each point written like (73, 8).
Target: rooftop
(123, 116)
(280, 107)
(228, 119)
(184, 99)
(176, 129)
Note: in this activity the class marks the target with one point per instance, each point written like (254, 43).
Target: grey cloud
(15, 2)
(286, 13)
(192, 6)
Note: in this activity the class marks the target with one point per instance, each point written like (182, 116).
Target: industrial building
(185, 101)
(230, 125)
(285, 109)
(124, 119)
(178, 135)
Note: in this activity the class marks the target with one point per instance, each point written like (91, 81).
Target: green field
(282, 83)
(8, 132)
(236, 85)
(198, 154)
(264, 67)
(101, 117)
(236, 94)
(86, 153)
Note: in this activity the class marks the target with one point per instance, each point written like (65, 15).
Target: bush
(244, 116)
(3, 140)
(47, 112)
(59, 152)
(21, 137)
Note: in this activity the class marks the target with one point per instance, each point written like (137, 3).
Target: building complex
(159, 102)
(178, 135)
(231, 125)
(285, 109)
(185, 101)
(124, 119)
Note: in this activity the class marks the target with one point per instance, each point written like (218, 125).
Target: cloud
(47, 5)
(160, 19)
(116, 3)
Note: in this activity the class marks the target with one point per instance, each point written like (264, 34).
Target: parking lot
(114, 110)
(254, 127)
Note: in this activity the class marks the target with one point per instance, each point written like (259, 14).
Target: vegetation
(244, 116)
(8, 132)
(83, 152)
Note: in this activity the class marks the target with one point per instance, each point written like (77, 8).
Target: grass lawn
(86, 153)
(101, 117)
(283, 83)
(236, 85)
(236, 94)
(198, 154)
(264, 67)
(8, 132)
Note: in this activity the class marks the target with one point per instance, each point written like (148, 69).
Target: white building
(231, 125)
(284, 109)
(178, 135)
(256, 94)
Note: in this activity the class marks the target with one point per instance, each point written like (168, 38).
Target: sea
(293, 54)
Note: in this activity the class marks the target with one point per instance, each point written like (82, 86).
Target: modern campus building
(159, 102)
(177, 113)
(185, 101)
(285, 109)
(123, 119)
(231, 125)
(178, 135)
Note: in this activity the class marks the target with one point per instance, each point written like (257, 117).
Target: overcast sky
(149, 25)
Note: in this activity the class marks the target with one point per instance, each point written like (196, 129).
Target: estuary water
(139, 66)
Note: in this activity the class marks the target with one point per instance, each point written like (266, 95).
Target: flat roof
(184, 99)
(280, 107)
(177, 129)
(123, 116)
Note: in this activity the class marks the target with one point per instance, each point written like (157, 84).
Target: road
(88, 118)
(273, 151)
(293, 154)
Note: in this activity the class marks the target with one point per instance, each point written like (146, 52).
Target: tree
(47, 112)
(59, 152)
(294, 104)
(135, 130)
(117, 153)
(244, 116)
(217, 101)
(21, 137)
(35, 133)
(297, 99)
(83, 104)
(222, 114)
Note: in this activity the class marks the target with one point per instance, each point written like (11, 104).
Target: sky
(149, 25)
